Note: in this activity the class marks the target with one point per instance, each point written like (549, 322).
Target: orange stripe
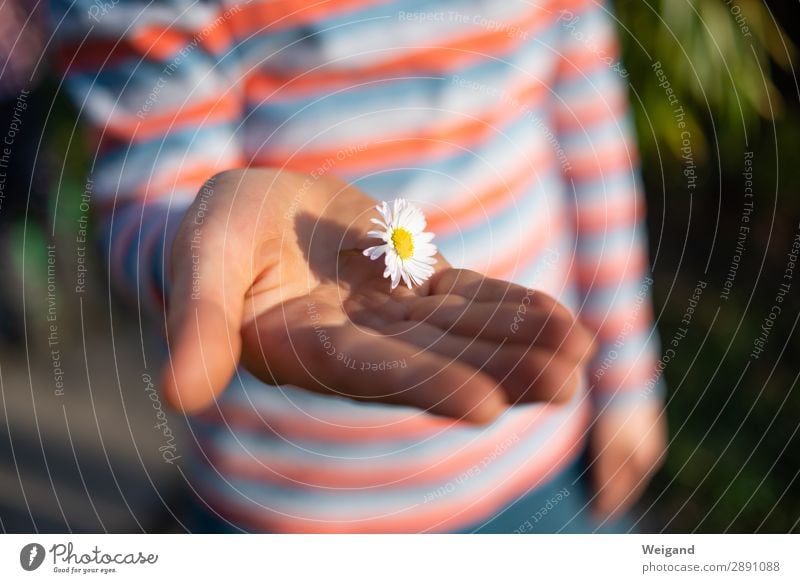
(440, 141)
(599, 204)
(155, 124)
(165, 43)
(579, 62)
(611, 274)
(576, 5)
(154, 42)
(615, 214)
(466, 212)
(567, 444)
(446, 514)
(459, 54)
(275, 15)
(159, 42)
(599, 109)
(343, 430)
(531, 246)
(609, 324)
(618, 157)
(189, 177)
(420, 470)
(626, 378)
(186, 177)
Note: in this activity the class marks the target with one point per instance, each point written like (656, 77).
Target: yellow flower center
(403, 243)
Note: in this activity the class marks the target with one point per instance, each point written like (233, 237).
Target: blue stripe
(596, 137)
(265, 446)
(611, 298)
(616, 242)
(352, 504)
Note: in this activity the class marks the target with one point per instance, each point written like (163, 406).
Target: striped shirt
(507, 119)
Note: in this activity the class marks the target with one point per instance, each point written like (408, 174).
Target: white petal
(396, 277)
(392, 263)
(420, 270)
(379, 235)
(414, 220)
(424, 249)
(427, 260)
(403, 212)
(375, 252)
(425, 237)
(400, 213)
(411, 277)
(420, 277)
(406, 277)
(385, 212)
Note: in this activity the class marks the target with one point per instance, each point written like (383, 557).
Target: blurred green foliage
(734, 458)
(718, 56)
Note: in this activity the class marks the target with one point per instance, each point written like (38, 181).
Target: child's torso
(446, 103)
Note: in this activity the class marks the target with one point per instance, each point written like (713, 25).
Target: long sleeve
(611, 260)
(155, 83)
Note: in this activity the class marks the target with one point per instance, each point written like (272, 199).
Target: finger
(618, 487)
(477, 287)
(527, 375)
(499, 322)
(428, 381)
(204, 320)
(619, 480)
(359, 363)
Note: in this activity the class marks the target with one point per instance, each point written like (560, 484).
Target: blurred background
(84, 456)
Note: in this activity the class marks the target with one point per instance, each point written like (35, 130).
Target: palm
(320, 315)
(447, 345)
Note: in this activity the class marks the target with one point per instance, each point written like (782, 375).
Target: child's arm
(611, 253)
(157, 90)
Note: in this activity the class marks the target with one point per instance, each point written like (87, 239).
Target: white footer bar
(390, 558)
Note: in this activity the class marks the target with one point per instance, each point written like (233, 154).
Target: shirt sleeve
(155, 83)
(595, 130)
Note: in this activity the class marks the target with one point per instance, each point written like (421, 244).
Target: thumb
(204, 320)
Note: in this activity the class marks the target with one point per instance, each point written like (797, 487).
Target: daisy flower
(407, 247)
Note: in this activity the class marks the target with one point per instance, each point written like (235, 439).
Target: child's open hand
(265, 270)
